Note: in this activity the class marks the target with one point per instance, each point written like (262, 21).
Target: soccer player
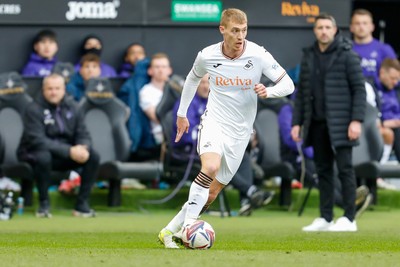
(90, 68)
(372, 53)
(235, 66)
(371, 50)
(43, 57)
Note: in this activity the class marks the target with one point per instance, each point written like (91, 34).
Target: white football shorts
(212, 139)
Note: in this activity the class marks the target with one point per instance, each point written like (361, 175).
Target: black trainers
(268, 196)
(245, 207)
(261, 198)
(44, 210)
(83, 210)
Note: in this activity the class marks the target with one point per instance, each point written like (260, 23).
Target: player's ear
(221, 29)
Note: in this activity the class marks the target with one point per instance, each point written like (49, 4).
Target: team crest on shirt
(374, 54)
(249, 65)
(208, 144)
(48, 118)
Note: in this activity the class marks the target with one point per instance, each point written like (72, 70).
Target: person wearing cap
(43, 57)
(55, 137)
(92, 44)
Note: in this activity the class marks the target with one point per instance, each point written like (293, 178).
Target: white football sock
(387, 150)
(198, 197)
(251, 190)
(176, 223)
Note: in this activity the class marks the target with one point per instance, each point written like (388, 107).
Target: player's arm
(283, 87)
(283, 83)
(189, 90)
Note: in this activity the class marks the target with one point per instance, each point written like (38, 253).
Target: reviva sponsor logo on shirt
(237, 81)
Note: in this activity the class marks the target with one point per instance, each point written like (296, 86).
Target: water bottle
(20, 207)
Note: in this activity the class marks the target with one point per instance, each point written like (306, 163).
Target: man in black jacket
(329, 107)
(55, 138)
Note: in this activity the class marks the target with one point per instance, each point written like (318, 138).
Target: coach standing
(329, 107)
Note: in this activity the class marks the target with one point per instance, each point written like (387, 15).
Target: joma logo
(92, 10)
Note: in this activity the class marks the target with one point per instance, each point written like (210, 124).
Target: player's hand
(354, 130)
(182, 125)
(261, 90)
(295, 133)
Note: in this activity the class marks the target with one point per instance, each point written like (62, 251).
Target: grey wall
(149, 22)
(180, 43)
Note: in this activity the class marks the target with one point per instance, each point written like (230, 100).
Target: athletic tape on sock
(203, 180)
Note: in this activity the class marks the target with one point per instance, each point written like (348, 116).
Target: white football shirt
(232, 101)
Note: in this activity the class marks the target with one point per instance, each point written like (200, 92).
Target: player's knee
(211, 169)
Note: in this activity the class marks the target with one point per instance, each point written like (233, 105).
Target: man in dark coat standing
(329, 110)
(55, 138)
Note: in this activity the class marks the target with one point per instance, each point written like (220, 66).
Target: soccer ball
(198, 235)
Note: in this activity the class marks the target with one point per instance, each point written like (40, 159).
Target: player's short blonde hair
(233, 15)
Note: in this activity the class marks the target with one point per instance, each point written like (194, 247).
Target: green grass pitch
(267, 238)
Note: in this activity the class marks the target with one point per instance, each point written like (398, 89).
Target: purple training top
(372, 55)
(38, 66)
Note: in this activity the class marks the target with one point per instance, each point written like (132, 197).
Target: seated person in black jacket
(55, 138)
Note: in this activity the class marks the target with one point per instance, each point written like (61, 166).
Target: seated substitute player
(92, 44)
(43, 57)
(90, 68)
(235, 66)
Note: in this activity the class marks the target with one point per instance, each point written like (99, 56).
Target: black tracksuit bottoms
(325, 155)
(44, 162)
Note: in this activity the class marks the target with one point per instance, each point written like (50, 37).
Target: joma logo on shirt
(235, 81)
